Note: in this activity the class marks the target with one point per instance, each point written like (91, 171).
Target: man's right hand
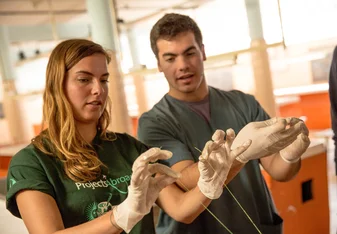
(268, 137)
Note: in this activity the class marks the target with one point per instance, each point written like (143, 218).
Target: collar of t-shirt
(200, 107)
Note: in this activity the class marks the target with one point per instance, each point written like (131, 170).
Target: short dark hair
(170, 25)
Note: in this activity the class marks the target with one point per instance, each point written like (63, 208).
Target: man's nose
(182, 63)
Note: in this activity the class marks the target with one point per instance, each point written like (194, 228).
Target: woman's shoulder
(117, 136)
(27, 155)
(127, 142)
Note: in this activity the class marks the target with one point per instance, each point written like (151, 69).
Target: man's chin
(188, 90)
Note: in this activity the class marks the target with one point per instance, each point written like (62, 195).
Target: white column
(105, 33)
(11, 109)
(260, 59)
(138, 80)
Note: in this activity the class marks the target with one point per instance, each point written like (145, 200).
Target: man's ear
(204, 58)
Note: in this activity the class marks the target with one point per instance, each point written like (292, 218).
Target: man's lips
(185, 77)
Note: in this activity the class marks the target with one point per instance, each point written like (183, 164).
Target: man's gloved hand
(268, 137)
(144, 188)
(294, 151)
(215, 162)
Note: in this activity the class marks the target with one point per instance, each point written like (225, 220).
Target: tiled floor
(11, 225)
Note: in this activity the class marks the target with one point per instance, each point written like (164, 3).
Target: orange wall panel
(308, 217)
(316, 108)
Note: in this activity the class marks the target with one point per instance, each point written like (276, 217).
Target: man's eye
(105, 80)
(190, 53)
(170, 60)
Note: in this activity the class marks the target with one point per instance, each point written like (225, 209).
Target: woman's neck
(88, 132)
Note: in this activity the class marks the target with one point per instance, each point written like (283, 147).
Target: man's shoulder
(162, 118)
(159, 111)
(231, 94)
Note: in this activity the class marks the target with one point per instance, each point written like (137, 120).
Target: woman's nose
(97, 88)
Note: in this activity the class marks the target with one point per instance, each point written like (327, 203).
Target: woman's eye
(83, 80)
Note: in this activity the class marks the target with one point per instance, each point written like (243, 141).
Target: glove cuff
(125, 218)
(241, 160)
(290, 161)
(210, 191)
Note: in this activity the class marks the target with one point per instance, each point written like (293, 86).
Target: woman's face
(86, 87)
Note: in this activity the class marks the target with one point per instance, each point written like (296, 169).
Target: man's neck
(196, 96)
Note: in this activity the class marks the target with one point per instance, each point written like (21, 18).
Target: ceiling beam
(57, 12)
(44, 32)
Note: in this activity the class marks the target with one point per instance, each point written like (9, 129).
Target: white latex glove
(268, 137)
(215, 162)
(293, 152)
(144, 188)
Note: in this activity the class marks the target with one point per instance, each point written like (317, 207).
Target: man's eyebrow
(169, 54)
(90, 74)
(189, 48)
(185, 51)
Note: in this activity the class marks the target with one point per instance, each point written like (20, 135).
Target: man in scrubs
(185, 118)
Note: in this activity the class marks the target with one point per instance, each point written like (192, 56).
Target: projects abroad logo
(105, 183)
(95, 209)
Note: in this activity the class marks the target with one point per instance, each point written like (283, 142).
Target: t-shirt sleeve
(25, 173)
(256, 110)
(248, 107)
(155, 133)
(261, 114)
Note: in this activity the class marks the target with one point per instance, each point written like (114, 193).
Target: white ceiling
(37, 12)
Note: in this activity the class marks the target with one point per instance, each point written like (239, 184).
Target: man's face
(181, 61)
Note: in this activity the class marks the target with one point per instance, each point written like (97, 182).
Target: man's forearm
(235, 169)
(190, 175)
(280, 170)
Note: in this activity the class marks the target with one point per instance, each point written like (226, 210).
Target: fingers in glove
(239, 150)
(139, 174)
(302, 143)
(219, 136)
(151, 155)
(162, 169)
(230, 136)
(293, 121)
(209, 147)
(276, 124)
(293, 152)
(282, 139)
(205, 168)
(162, 181)
(293, 131)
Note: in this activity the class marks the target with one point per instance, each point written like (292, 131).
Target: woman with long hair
(78, 177)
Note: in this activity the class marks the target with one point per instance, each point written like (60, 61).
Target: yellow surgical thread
(244, 211)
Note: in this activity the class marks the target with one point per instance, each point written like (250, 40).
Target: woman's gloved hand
(215, 162)
(144, 188)
(268, 137)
